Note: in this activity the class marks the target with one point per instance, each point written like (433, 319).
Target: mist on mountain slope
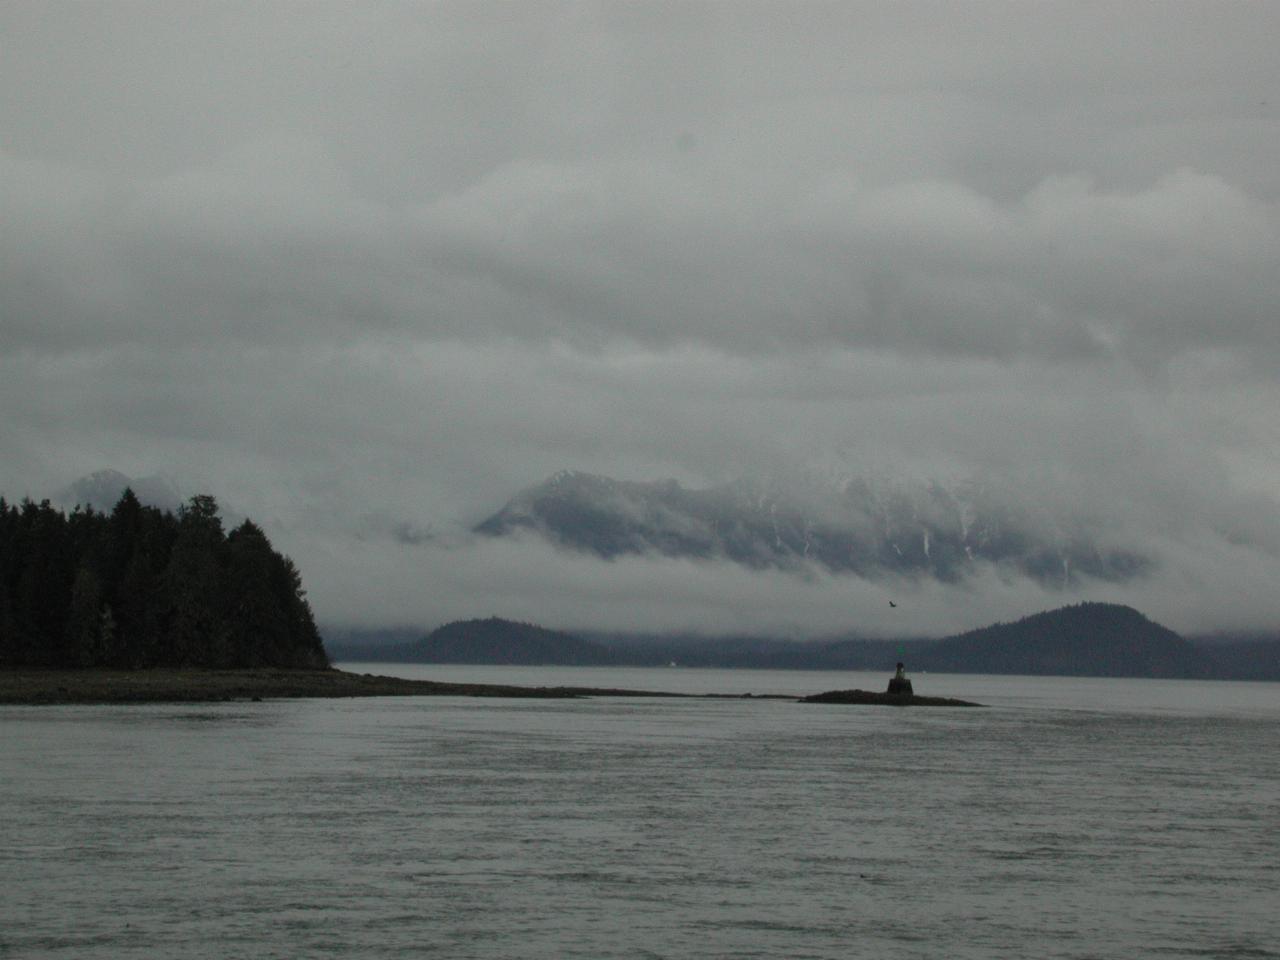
(378, 569)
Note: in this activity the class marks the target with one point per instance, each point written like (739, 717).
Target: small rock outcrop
(870, 697)
(899, 694)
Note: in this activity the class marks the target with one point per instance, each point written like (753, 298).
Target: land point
(164, 685)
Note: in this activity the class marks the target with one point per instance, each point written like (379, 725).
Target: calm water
(1074, 818)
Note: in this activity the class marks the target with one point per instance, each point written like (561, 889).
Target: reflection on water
(1074, 818)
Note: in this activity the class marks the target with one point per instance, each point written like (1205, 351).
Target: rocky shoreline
(36, 687)
(66, 687)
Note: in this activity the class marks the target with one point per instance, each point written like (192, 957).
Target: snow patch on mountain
(850, 525)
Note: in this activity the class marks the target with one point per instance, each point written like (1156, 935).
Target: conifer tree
(141, 588)
(82, 642)
(196, 625)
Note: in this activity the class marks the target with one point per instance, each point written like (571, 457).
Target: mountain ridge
(859, 527)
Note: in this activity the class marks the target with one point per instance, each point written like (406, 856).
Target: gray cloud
(268, 243)
(360, 272)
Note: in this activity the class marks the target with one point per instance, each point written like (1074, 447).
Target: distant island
(1086, 639)
(514, 643)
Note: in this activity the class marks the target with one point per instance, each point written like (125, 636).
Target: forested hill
(141, 587)
(495, 640)
(1087, 639)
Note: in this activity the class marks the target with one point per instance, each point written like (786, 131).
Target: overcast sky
(355, 266)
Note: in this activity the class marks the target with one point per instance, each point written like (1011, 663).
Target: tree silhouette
(141, 588)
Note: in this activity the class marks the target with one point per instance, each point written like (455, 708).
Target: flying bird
(892, 604)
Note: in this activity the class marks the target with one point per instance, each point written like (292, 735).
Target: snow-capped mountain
(855, 526)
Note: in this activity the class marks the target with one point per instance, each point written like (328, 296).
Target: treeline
(143, 588)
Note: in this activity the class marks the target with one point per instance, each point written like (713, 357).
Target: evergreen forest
(139, 588)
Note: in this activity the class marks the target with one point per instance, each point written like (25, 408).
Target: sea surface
(1070, 818)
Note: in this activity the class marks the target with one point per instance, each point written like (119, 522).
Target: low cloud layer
(366, 273)
(528, 580)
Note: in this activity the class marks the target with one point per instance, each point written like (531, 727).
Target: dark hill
(506, 642)
(1243, 656)
(1086, 640)
(1091, 639)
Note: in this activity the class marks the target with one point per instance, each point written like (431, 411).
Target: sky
(357, 269)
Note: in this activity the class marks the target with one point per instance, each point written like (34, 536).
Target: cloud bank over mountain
(365, 275)
(850, 526)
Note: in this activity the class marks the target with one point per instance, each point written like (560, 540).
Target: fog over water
(358, 272)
